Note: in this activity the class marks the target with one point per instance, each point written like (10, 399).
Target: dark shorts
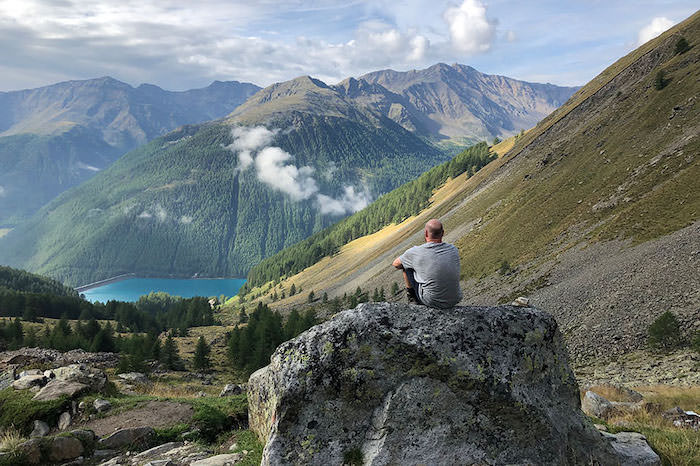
(414, 284)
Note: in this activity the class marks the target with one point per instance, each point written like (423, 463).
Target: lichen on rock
(404, 384)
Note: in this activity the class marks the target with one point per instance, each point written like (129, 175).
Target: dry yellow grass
(175, 389)
(676, 446)
(10, 439)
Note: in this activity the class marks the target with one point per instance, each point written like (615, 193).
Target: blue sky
(183, 44)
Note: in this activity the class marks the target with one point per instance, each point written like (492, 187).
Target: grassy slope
(603, 144)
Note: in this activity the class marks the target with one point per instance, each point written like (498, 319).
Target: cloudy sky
(182, 44)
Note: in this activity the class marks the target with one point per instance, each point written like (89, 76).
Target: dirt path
(151, 413)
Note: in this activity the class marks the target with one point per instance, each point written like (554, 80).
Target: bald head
(433, 230)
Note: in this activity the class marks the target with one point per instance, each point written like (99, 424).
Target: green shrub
(665, 333)
(682, 46)
(504, 268)
(215, 415)
(353, 457)
(660, 81)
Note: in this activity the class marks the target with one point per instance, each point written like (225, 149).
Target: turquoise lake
(131, 289)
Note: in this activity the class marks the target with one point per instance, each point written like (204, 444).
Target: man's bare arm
(397, 263)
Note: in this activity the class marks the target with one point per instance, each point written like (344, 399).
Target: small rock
(134, 377)
(596, 406)
(102, 405)
(49, 374)
(41, 429)
(601, 427)
(65, 448)
(521, 302)
(233, 446)
(30, 372)
(231, 390)
(129, 436)
(6, 379)
(64, 421)
(158, 451)
(219, 460)
(29, 381)
(160, 463)
(633, 449)
(104, 454)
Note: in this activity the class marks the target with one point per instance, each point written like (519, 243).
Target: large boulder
(56, 389)
(597, 406)
(81, 373)
(133, 436)
(29, 381)
(633, 449)
(404, 384)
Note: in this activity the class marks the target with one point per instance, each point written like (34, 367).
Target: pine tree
(169, 354)
(311, 297)
(201, 360)
(292, 290)
(682, 46)
(242, 316)
(324, 300)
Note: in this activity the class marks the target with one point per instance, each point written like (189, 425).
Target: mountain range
(216, 198)
(55, 137)
(594, 214)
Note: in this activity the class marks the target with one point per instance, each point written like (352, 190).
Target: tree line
(393, 207)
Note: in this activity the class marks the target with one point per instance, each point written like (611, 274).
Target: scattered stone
(596, 405)
(160, 463)
(25, 356)
(104, 454)
(157, 451)
(601, 427)
(521, 302)
(682, 419)
(57, 388)
(86, 436)
(31, 451)
(64, 421)
(200, 394)
(233, 446)
(129, 436)
(49, 374)
(409, 384)
(76, 462)
(231, 390)
(82, 406)
(41, 429)
(228, 459)
(134, 377)
(102, 405)
(6, 379)
(633, 449)
(30, 372)
(65, 448)
(29, 381)
(81, 373)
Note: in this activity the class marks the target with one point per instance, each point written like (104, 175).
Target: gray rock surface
(633, 449)
(228, 459)
(65, 448)
(64, 421)
(102, 405)
(129, 436)
(29, 381)
(231, 389)
(81, 373)
(41, 429)
(56, 388)
(596, 405)
(24, 356)
(134, 377)
(403, 384)
(6, 379)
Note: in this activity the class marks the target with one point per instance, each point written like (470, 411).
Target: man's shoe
(412, 297)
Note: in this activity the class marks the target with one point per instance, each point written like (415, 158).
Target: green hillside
(24, 282)
(594, 213)
(179, 206)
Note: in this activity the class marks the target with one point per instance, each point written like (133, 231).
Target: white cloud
(350, 202)
(511, 36)
(653, 29)
(247, 140)
(274, 170)
(185, 220)
(470, 30)
(145, 214)
(2, 191)
(161, 213)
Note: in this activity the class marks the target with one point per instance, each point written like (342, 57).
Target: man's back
(436, 269)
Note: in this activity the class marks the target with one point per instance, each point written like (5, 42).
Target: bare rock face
(402, 384)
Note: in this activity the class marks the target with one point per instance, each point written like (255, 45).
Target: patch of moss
(18, 409)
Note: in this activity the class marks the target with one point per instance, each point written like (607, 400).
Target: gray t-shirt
(436, 269)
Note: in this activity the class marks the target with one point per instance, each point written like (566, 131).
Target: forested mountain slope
(55, 137)
(593, 213)
(192, 203)
(25, 282)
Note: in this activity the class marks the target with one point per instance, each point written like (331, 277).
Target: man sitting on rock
(431, 270)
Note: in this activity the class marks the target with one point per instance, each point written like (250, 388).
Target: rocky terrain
(402, 384)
